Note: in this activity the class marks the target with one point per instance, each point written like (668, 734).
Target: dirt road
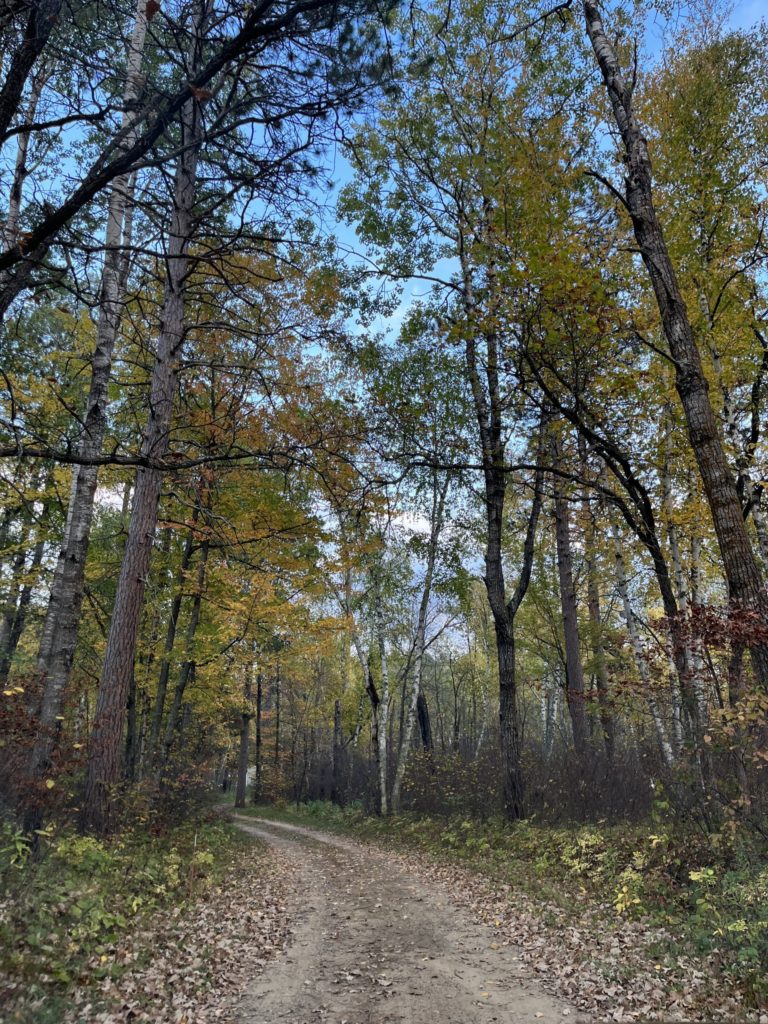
(372, 944)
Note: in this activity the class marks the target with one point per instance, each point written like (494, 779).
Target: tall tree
(746, 590)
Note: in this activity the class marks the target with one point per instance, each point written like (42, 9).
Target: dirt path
(372, 944)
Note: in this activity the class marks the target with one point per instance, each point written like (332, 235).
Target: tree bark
(640, 660)
(607, 724)
(436, 524)
(257, 781)
(337, 770)
(245, 737)
(59, 635)
(170, 638)
(188, 668)
(742, 572)
(384, 699)
(425, 726)
(104, 768)
(574, 672)
(41, 20)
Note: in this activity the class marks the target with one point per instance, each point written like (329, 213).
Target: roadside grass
(62, 916)
(699, 895)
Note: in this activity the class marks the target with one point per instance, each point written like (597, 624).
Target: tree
(746, 590)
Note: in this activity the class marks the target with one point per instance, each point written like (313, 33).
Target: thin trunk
(373, 699)
(245, 737)
(488, 413)
(338, 755)
(256, 796)
(22, 608)
(607, 724)
(277, 722)
(693, 657)
(439, 493)
(104, 768)
(170, 638)
(20, 171)
(550, 697)
(425, 726)
(742, 572)
(574, 672)
(42, 18)
(640, 660)
(383, 703)
(12, 597)
(187, 670)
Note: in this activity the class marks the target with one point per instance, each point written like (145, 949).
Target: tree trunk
(574, 673)
(640, 660)
(187, 670)
(742, 572)
(693, 658)
(439, 494)
(277, 723)
(607, 724)
(170, 638)
(383, 703)
(11, 231)
(245, 737)
(104, 768)
(425, 726)
(257, 781)
(338, 756)
(42, 18)
(59, 634)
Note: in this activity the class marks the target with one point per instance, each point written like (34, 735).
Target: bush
(76, 902)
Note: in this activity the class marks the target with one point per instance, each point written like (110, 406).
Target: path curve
(374, 944)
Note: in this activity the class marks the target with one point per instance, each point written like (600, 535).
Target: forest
(383, 410)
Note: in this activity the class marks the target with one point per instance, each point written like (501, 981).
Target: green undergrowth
(709, 893)
(62, 914)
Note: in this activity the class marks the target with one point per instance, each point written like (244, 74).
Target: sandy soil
(373, 944)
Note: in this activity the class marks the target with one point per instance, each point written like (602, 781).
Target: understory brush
(62, 914)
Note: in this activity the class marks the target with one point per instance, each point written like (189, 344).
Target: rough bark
(104, 768)
(59, 634)
(742, 572)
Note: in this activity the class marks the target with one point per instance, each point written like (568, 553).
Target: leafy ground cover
(626, 921)
(152, 926)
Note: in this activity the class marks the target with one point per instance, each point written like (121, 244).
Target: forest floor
(375, 943)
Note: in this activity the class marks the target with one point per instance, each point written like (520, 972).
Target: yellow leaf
(49, 783)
